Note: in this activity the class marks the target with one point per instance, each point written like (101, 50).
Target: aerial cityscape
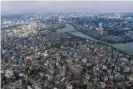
(66, 50)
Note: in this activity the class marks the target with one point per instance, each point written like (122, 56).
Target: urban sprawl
(35, 55)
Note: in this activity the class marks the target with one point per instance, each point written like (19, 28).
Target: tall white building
(99, 30)
(100, 25)
(29, 26)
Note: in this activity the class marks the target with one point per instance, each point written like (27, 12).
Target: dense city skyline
(12, 7)
(60, 50)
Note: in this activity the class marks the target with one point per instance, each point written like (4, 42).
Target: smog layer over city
(67, 45)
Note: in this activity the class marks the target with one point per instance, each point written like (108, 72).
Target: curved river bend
(125, 47)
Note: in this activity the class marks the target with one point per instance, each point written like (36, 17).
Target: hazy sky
(9, 7)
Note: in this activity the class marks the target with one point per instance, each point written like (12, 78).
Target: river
(125, 47)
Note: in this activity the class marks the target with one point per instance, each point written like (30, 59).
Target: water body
(69, 28)
(125, 47)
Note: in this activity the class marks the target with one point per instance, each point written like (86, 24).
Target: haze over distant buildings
(10, 7)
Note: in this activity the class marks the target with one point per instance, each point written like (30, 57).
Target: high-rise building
(100, 25)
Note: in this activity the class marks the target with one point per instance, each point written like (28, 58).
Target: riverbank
(108, 41)
(125, 48)
(84, 39)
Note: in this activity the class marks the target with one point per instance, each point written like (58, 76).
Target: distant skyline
(13, 7)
